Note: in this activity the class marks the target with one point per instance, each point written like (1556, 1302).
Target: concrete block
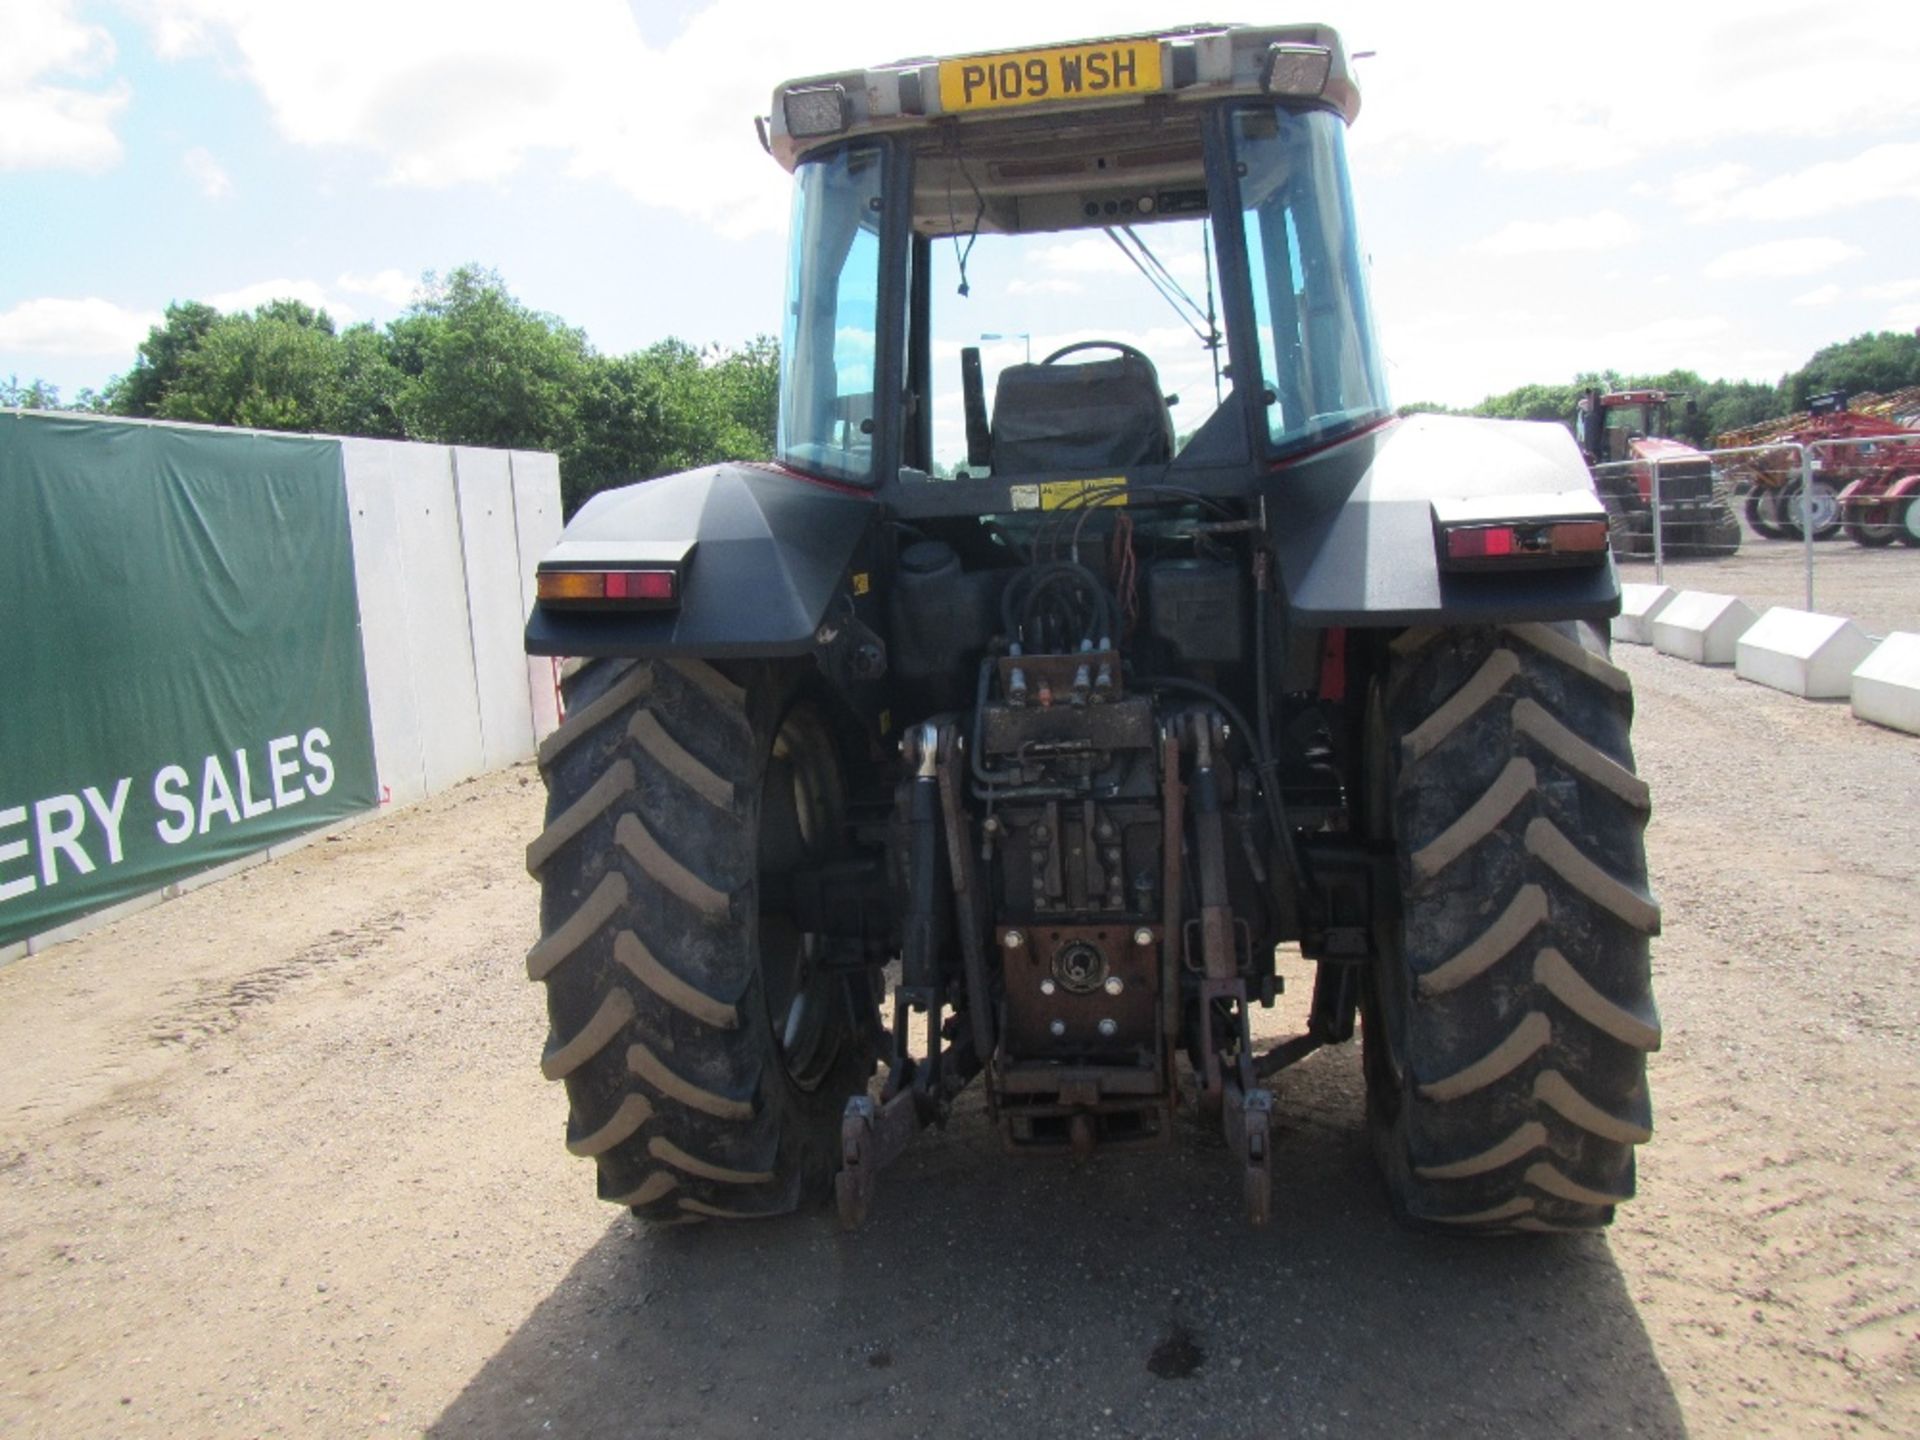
(1701, 626)
(10, 953)
(483, 487)
(1805, 654)
(1886, 685)
(1639, 604)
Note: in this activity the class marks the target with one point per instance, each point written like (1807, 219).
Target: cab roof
(1118, 81)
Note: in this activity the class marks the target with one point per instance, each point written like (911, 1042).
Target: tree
(157, 366)
(1531, 402)
(748, 380)
(670, 408)
(467, 364)
(1735, 404)
(483, 369)
(275, 369)
(1881, 361)
(367, 390)
(281, 367)
(34, 395)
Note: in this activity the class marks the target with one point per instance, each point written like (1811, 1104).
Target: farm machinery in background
(1869, 489)
(1624, 434)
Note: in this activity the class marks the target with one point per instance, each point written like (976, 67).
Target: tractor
(1030, 745)
(1626, 437)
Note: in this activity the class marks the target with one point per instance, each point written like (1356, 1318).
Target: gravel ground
(1878, 588)
(277, 1161)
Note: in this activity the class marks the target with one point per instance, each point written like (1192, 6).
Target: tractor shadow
(992, 1294)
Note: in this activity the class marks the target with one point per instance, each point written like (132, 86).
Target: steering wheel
(1065, 350)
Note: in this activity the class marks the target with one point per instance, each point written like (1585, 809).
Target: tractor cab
(1620, 425)
(1095, 259)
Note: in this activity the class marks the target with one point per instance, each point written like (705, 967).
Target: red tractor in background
(1871, 489)
(1623, 433)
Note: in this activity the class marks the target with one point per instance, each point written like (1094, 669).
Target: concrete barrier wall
(537, 522)
(445, 541)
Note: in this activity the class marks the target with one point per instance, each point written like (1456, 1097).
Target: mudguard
(1354, 531)
(769, 552)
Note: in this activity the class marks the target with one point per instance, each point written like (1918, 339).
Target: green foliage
(157, 367)
(367, 393)
(467, 364)
(670, 408)
(1717, 405)
(490, 371)
(1887, 360)
(1882, 361)
(1531, 402)
(39, 394)
(34, 395)
(275, 369)
(1735, 404)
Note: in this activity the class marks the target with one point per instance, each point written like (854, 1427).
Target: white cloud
(391, 287)
(1533, 93)
(261, 292)
(1819, 295)
(1606, 230)
(1904, 317)
(1045, 286)
(1880, 173)
(1782, 259)
(1084, 255)
(1091, 255)
(88, 327)
(443, 100)
(47, 121)
(1892, 290)
(207, 173)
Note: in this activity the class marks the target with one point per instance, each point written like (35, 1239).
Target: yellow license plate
(1033, 77)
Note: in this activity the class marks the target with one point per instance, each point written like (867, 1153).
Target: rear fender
(769, 552)
(1353, 526)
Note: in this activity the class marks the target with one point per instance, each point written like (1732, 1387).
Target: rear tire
(706, 1062)
(1761, 508)
(1509, 1016)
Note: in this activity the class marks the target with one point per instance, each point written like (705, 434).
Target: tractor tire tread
(658, 1028)
(1524, 994)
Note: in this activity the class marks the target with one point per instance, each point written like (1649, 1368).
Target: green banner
(181, 680)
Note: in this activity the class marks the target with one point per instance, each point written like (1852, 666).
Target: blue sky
(1722, 187)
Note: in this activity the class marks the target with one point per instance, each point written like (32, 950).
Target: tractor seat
(1098, 415)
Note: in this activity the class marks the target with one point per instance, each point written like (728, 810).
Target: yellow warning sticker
(862, 582)
(1075, 494)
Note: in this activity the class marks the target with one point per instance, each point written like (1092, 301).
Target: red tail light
(610, 589)
(1558, 541)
